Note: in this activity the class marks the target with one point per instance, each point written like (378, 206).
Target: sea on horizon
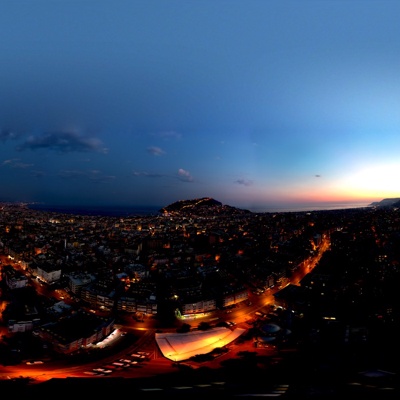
(303, 207)
(126, 211)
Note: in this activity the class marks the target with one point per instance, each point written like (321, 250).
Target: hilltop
(202, 206)
(389, 202)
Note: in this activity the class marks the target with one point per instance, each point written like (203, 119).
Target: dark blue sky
(126, 102)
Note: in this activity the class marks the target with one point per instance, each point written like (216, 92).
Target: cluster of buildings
(178, 264)
(153, 265)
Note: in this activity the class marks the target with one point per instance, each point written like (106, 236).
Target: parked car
(102, 370)
(34, 362)
(118, 364)
(125, 361)
(140, 356)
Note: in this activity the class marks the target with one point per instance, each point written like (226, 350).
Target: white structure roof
(182, 346)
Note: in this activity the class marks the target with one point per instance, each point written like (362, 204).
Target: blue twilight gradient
(127, 102)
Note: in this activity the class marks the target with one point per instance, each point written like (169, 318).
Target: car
(125, 361)
(97, 371)
(144, 353)
(102, 370)
(118, 364)
(140, 356)
(34, 362)
(110, 367)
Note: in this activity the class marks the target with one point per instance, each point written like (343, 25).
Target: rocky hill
(390, 202)
(202, 206)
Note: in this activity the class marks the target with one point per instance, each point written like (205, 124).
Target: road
(143, 334)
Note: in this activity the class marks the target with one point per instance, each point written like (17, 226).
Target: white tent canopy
(182, 346)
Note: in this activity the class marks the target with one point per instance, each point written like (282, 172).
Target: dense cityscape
(311, 295)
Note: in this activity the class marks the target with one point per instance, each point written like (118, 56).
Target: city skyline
(252, 103)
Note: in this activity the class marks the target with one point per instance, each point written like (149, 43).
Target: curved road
(143, 332)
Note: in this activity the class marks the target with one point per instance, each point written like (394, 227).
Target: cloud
(38, 174)
(244, 182)
(184, 176)
(16, 163)
(8, 162)
(7, 135)
(168, 135)
(93, 175)
(155, 151)
(63, 142)
(147, 174)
